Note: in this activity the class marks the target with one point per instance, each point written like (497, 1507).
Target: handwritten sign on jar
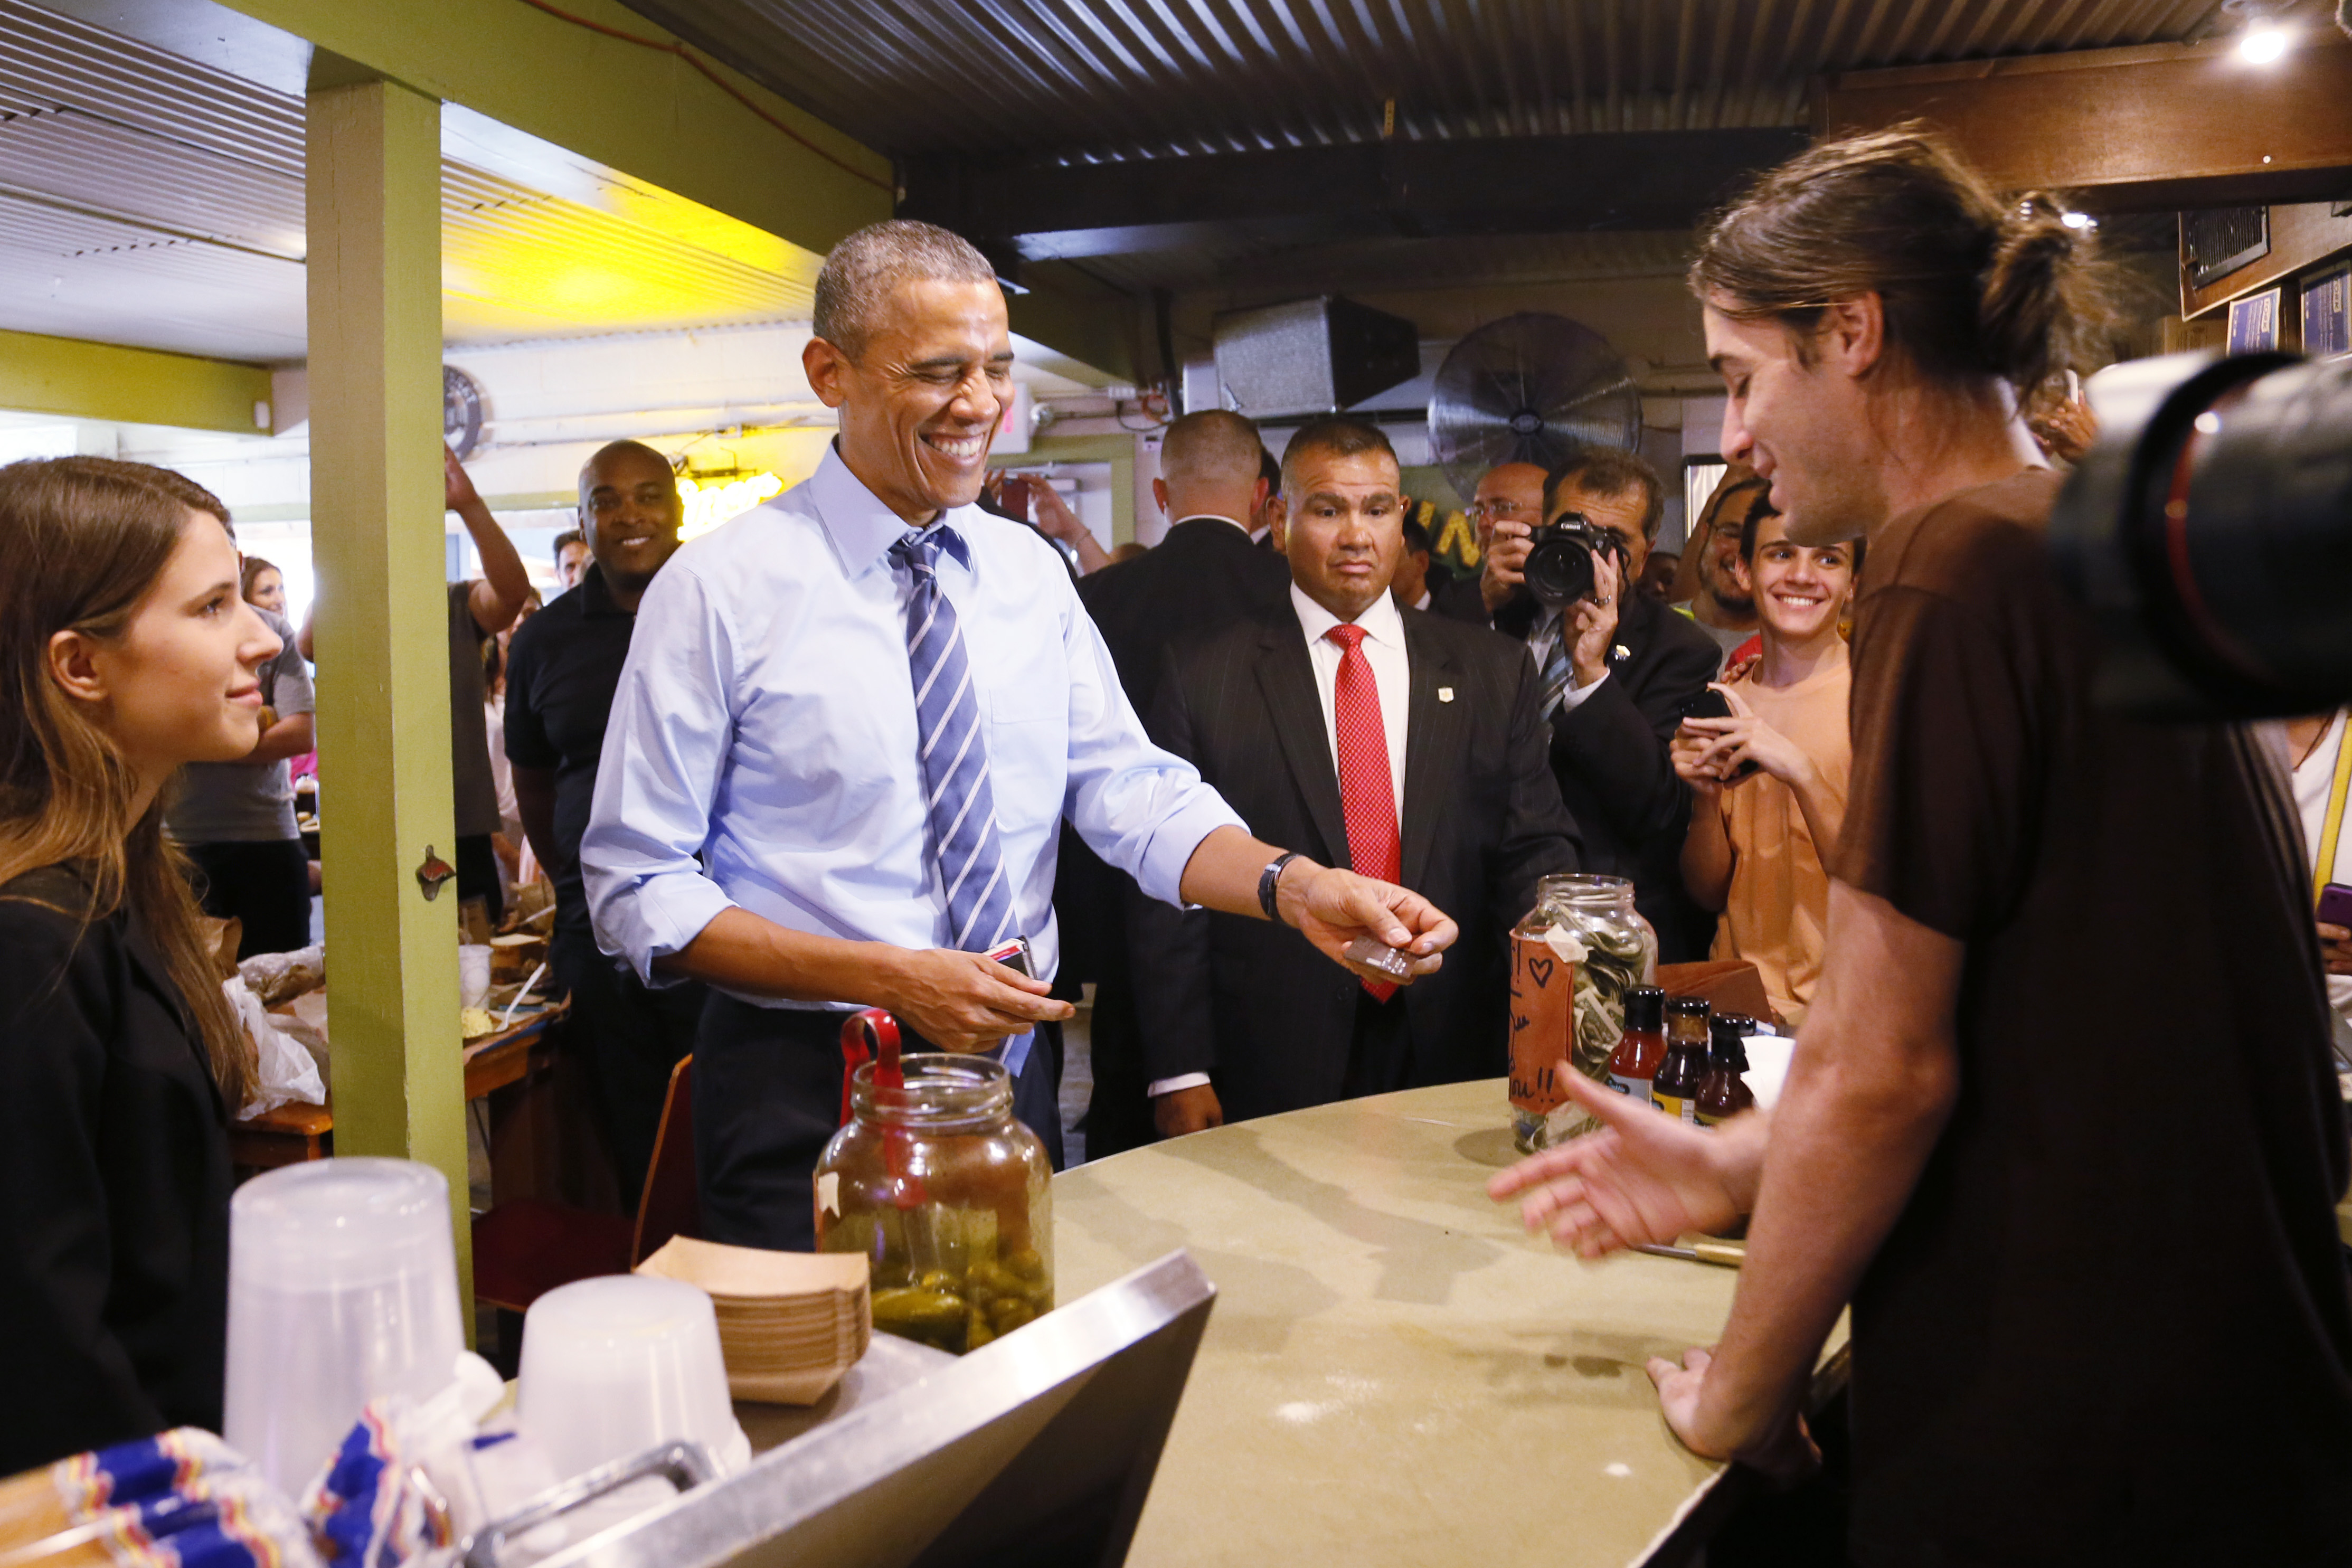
(1543, 998)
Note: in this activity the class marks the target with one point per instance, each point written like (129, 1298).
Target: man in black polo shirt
(564, 666)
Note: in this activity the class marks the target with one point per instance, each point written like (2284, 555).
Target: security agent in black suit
(1236, 1024)
(1205, 573)
(1630, 666)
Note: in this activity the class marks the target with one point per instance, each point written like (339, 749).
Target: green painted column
(383, 641)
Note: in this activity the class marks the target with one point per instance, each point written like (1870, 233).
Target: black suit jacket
(114, 1186)
(1610, 755)
(1252, 1003)
(1206, 573)
(1458, 598)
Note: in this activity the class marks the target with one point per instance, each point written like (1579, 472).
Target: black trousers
(767, 1099)
(265, 885)
(631, 1037)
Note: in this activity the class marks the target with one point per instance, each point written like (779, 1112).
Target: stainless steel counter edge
(1018, 1383)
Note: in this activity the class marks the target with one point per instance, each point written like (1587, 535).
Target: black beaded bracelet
(1268, 880)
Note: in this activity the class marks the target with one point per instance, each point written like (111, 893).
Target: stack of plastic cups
(342, 1289)
(614, 1367)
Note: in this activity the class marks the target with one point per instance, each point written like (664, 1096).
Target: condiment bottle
(1723, 1093)
(1675, 1088)
(1642, 1046)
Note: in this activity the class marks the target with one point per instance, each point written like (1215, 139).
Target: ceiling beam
(1534, 185)
(2144, 129)
(618, 105)
(132, 386)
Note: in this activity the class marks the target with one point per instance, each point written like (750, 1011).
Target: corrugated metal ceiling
(148, 200)
(1113, 79)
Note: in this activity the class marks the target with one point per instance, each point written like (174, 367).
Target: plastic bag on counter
(280, 977)
(287, 1071)
(414, 1479)
(182, 1499)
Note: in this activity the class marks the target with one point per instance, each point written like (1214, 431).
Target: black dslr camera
(1559, 558)
(2209, 532)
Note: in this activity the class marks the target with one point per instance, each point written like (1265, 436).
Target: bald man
(1507, 492)
(1205, 574)
(565, 666)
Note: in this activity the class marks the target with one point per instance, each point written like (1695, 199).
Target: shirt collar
(595, 598)
(1213, 517)
(862, 528)
(1381, 620)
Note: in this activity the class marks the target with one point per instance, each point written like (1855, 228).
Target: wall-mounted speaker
(1312, 356)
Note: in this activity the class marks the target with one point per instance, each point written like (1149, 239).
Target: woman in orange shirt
(1770, 781)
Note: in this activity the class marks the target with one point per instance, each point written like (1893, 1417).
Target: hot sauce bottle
(1675, 1088)
(1723, 1093)
(1635, 1060)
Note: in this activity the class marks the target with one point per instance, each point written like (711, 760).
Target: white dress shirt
(1384, 647)
(763, 746)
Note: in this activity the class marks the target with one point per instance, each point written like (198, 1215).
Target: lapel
(147, 967)
(1287, 679)
(1433, 736)
(1634, 624)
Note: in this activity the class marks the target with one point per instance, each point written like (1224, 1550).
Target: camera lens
(1560, 567)
(2210, 533)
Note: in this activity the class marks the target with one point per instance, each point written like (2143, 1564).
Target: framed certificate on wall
(2327, 314)
(2254, 322)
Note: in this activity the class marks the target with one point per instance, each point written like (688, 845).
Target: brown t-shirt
(2114, 1321)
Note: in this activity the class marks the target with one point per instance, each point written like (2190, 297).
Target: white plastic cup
(473, 974)
(615, 1366)
(342, 1289)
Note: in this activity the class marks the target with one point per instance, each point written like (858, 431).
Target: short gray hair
(862, 273)
(1212, 445)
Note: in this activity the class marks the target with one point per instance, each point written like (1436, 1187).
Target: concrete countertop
(1394, 1372)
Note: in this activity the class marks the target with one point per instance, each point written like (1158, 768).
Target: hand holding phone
(1711, 703)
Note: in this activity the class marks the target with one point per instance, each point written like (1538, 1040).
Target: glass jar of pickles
(948, 1196)
(1573, 958)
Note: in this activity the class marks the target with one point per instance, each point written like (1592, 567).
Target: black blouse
(114, 1186)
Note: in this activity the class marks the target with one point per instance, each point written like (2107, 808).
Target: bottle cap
(1687, 1006)
(1727, 1040)
(1645, 1009)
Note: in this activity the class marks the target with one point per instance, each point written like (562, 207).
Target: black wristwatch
(1268, 880)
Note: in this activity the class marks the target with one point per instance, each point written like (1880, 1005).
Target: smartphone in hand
(1714, 704)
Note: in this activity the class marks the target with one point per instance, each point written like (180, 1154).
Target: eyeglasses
(1502, 511)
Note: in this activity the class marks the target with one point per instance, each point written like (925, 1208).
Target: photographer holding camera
(2061, 1125)
(1616, 669)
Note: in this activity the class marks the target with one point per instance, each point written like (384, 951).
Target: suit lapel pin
(1619, 654)
(1446, 694)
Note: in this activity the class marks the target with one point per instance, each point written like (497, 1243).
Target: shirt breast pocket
(1028, 749)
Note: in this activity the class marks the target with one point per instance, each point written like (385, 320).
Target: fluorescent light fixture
(2263, 43)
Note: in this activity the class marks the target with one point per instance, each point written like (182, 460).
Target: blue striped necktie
(956, 794)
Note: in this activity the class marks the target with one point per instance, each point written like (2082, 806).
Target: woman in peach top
(1758, 837)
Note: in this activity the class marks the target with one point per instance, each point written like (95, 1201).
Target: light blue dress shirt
(762, 745)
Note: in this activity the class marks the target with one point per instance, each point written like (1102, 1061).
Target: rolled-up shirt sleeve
(665, 749)
(1142, 809)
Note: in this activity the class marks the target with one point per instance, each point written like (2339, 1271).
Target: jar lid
(1645, 1008)
(1689, 1006)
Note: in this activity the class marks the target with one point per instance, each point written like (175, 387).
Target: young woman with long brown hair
(126, 651)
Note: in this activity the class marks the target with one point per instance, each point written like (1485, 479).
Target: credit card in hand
(1369, 953)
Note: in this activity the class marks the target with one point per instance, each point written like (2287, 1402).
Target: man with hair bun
(848, 729)
(2062, 1124)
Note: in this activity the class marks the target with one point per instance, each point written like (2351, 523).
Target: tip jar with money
(949, 1197)
(1574, 956)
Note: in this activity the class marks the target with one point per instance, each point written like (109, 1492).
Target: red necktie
(1366, 793)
